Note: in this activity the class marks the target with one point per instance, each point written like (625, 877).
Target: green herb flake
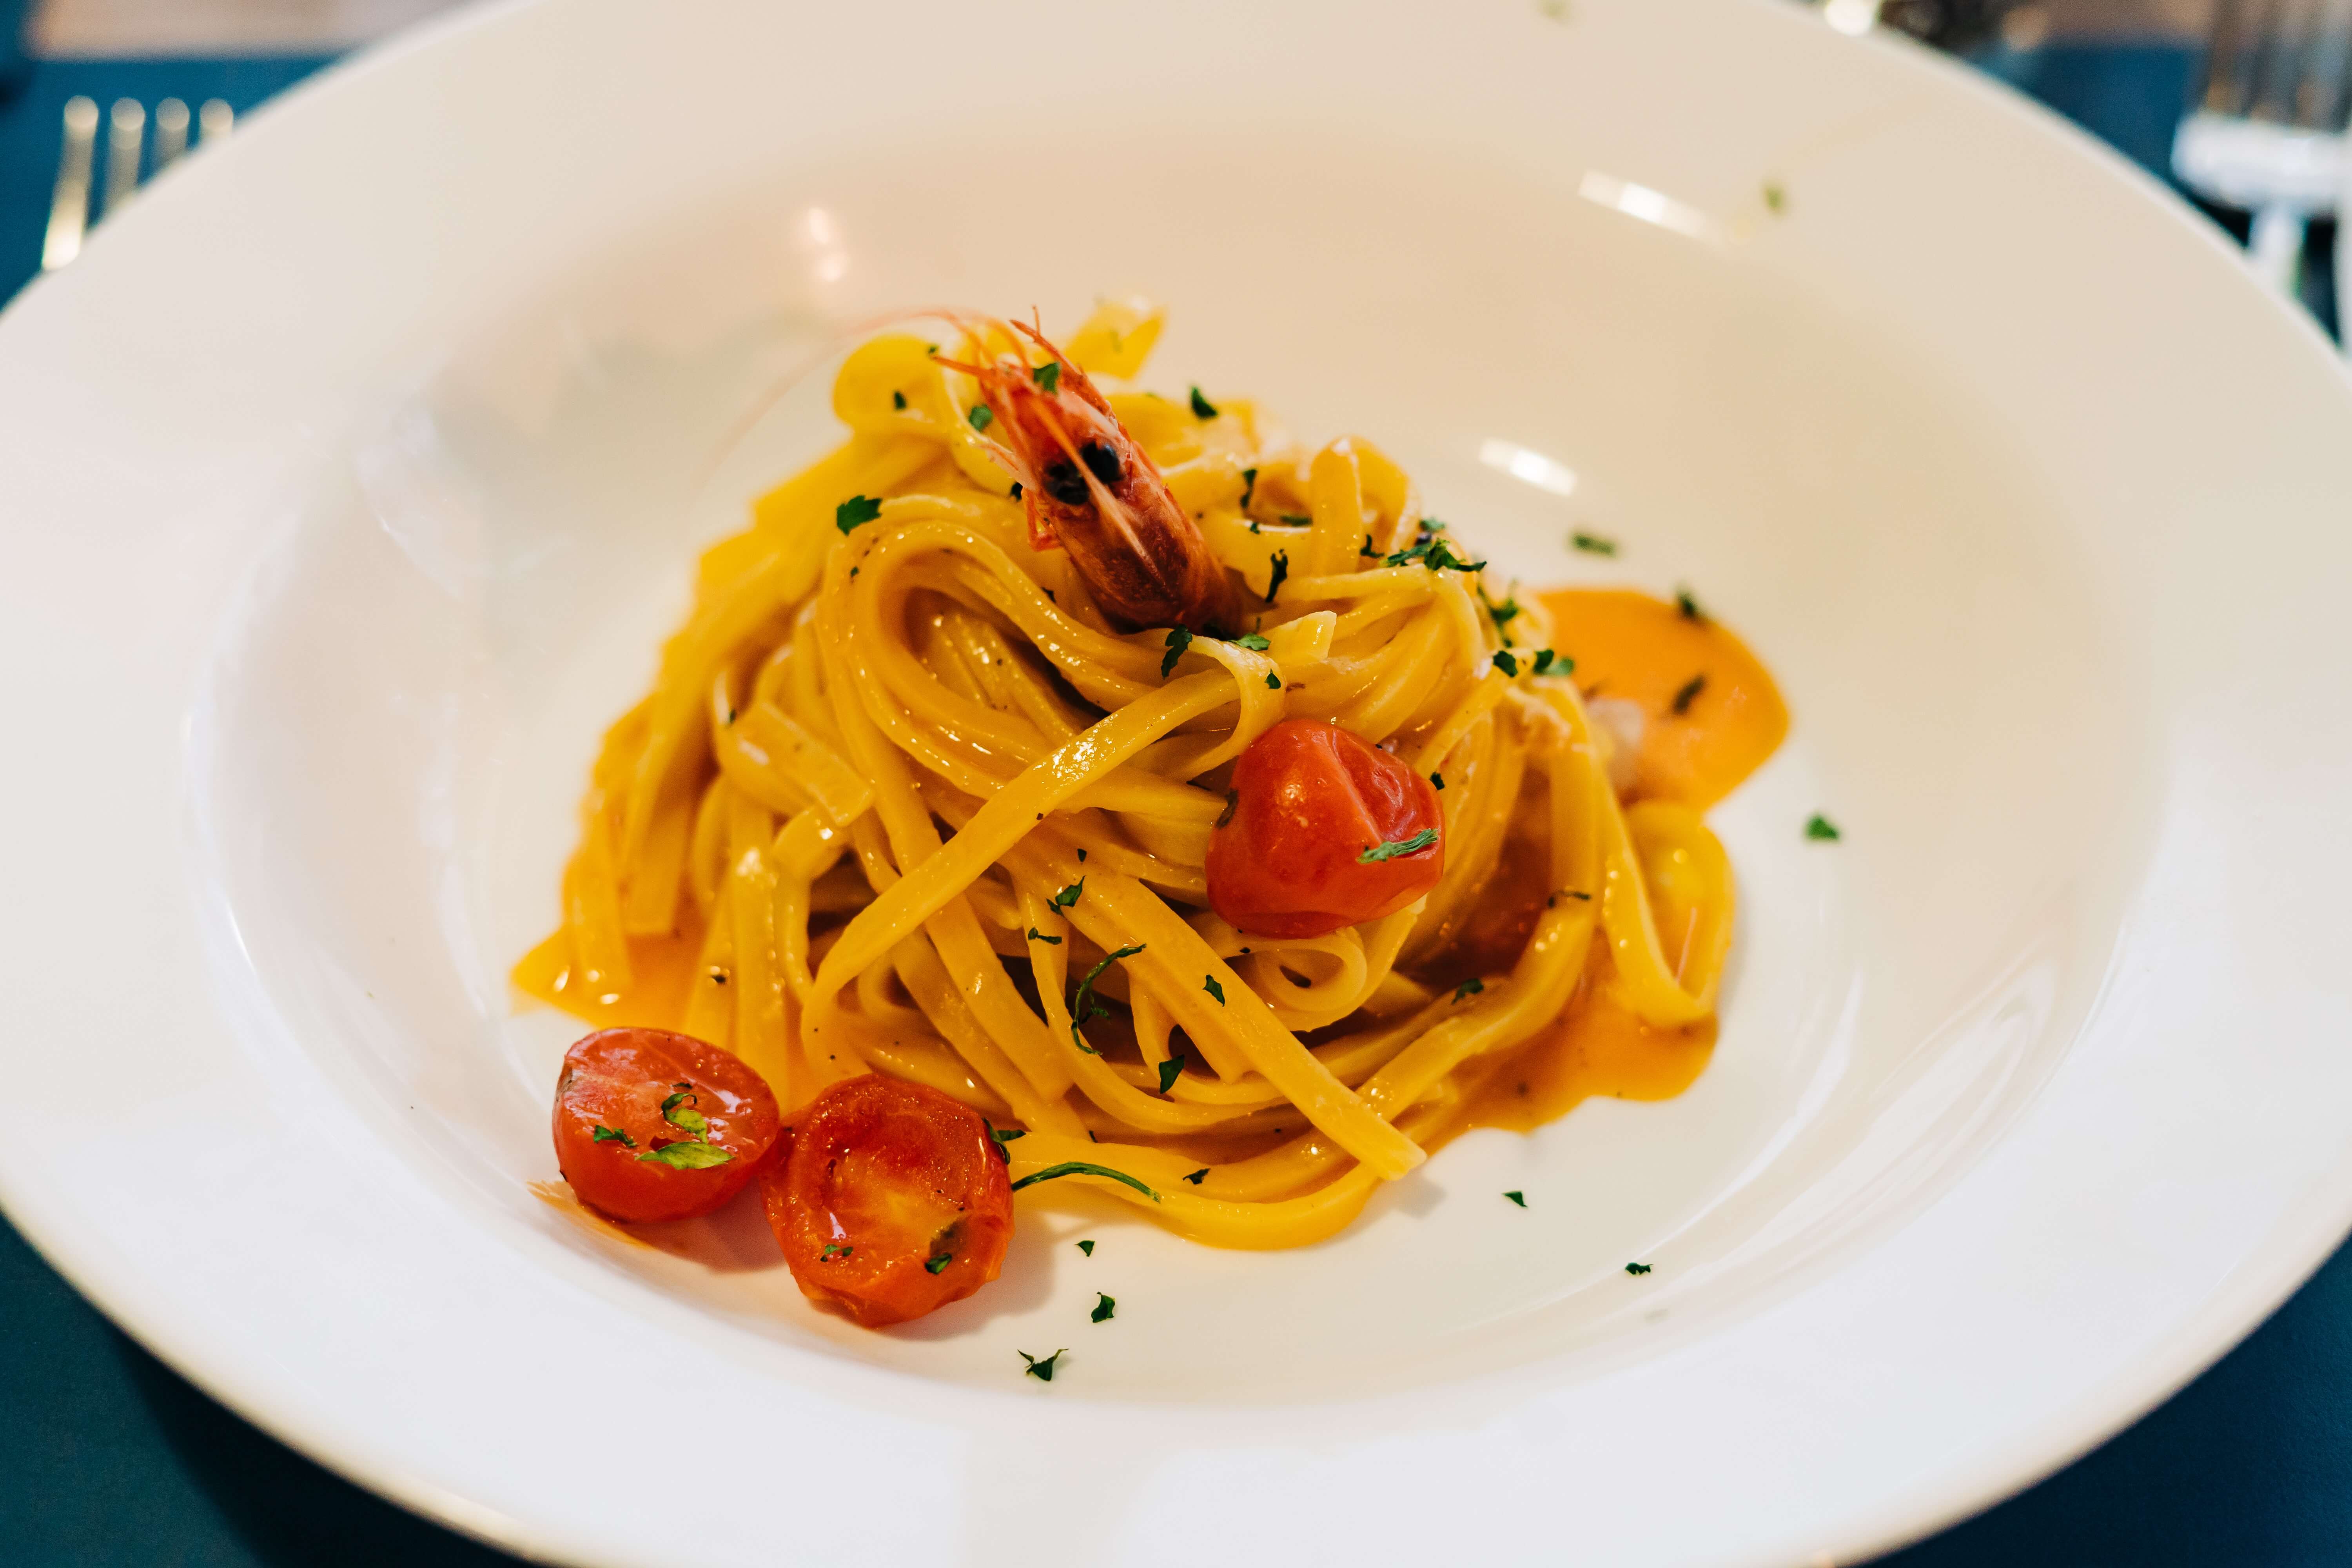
(1593, 543)
(1505, 663)
(1518, 1198)
(855, 511)
(685, 1115)
(1252, 642)
(1505, 613)
(1366, 549)
(1297, 520)
(980, 416)
(1437, 781)
(1688, 605)
(938, 1261)
(1434, 554)
(1249, 486)
(1202, 408)
(1042, 1367)
(1171, 1071)
(1088, 1248)
(1008, 1134)
(1104, 1305)
(1080, 1168)
(1273, 682)
(1394, 847)
(1551, 663)
(830, 1253)
(1776, 197)
(1083, 1006)
(1687, 693)
(688, 1157)
(604, 1134)
(1082, 856)
(1197, 1177)
(1048, 376)
(1281, 570)
(1037, 935)
(1822, 827)
(1068, 896)
(1209, 985)
(1637, 1268)
(1468, 988)
(897, 400)
(1178, 641)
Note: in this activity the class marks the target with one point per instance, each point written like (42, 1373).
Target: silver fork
(2267, 134)
(126, 144)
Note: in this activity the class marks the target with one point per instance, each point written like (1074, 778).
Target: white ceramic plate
(353, 474)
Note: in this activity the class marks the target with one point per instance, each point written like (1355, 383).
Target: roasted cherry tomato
(651, 1125)
(1321, 831)
(893, 1201)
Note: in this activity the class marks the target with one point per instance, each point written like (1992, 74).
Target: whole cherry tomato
(1321, 831)
(893, 1201)
(650, 1125)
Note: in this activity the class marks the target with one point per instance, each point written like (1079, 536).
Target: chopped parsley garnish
(830, 1253)
(1593, 543)
(938, 1261)
(1037, 935)
(1252, 642)
(1551, 663)
(1504, 613)
(1049, 376)
(1296, 520)
(1082, 856)
(1178, 641)
(688, 1157)
(1088, 1248)
(1104, 1305)
(1688, 605)
(1273, 682)
(1171, 1071)
(685, 1116)
(1281, 570)
(1822, 827)
(1437, 781)
(1366, 547)
(1068, 896)
(1394, 847)
(1776, 197)
(1637, 1268)
(1505, 663)
(1042, 1367)
(1202, 408)
(1518, 1198)
(855, 511)
(604, 1134)
(1687, 693)
(1198, 1176)
(1436, 554)
(1209, 985)
(1468, 988)
(1080, 1168)
(1008, 1134)
(980, 416)
(1083, 1006)
(897, 400)
(1249, 486)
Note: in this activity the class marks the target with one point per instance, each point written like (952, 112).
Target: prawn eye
(1063, 483)
(1102, 458)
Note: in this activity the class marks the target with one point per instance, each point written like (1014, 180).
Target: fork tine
(170, 133)
(126, 131)
(2222, 88)
(69, 203)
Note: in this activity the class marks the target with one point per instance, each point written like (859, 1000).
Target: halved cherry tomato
(893, 1201)
(650, 1125)
(1315, 831)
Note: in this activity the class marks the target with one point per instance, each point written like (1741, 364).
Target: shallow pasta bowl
(356, 469)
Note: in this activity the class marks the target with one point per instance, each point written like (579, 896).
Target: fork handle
(2275, 249)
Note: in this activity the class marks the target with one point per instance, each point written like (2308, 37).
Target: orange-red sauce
(1630, 645)
(661, 975)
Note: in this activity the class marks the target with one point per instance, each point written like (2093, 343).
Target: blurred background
(107, 1457)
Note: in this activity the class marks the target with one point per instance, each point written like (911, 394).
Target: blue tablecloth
(108, 1459)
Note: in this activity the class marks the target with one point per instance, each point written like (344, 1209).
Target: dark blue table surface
(107, 1457)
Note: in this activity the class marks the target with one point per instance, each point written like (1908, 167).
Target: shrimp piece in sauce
(1089, 487)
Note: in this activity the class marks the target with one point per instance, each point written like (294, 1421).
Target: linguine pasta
(912, 802)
